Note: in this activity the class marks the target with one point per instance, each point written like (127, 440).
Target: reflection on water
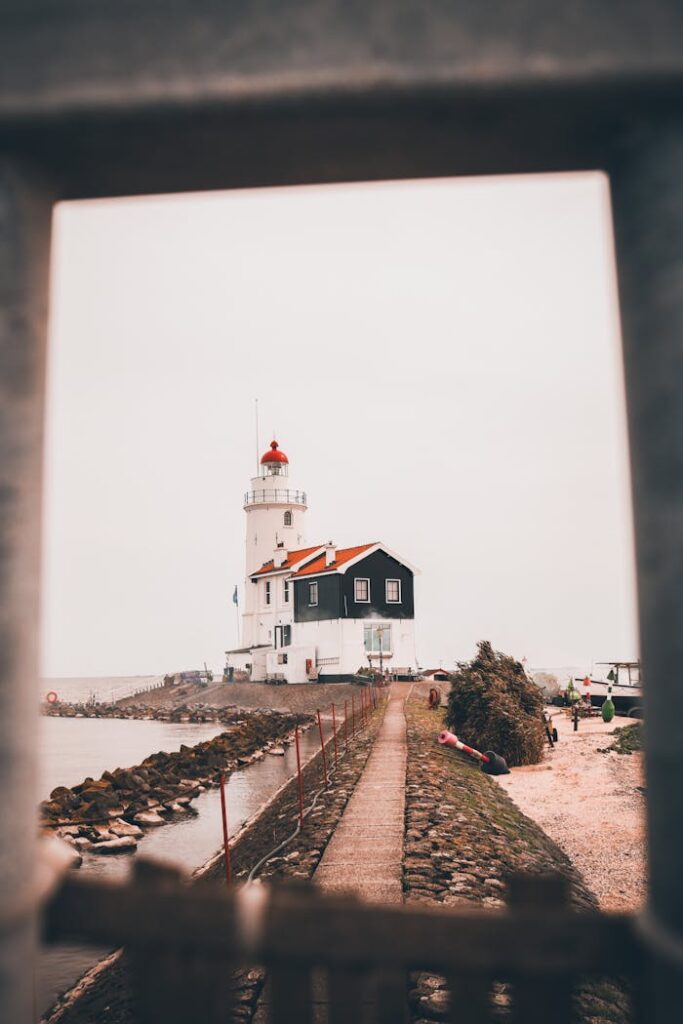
(187, 840)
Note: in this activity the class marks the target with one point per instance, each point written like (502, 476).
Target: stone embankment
(107, 815)
(139, 709)
(104, 995)
(217, 702)
(464, 838)
(303, 698)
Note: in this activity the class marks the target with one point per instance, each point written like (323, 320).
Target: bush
(493, 705)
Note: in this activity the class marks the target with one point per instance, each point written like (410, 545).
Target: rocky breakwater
(108, 815)
(464, 838)
(170, 711)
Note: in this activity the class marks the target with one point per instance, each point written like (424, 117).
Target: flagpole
(237, 614)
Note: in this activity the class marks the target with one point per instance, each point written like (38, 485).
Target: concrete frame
(142, 96)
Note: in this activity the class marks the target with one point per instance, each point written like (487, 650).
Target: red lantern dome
(274, 455)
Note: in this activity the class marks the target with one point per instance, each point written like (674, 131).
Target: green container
(608, 710)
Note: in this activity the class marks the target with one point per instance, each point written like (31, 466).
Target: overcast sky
(439, 360)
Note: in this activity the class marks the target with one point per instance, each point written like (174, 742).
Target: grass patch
(628, 739)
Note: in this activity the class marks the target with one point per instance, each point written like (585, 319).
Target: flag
(234, 597)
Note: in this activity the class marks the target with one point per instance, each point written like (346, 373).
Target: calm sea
(102, 688)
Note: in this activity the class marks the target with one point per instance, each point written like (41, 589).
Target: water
(75, 748)
(79, 689)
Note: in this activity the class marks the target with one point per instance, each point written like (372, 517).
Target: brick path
(365, 853)
(364, 856)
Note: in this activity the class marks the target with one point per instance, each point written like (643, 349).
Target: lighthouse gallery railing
(274, 495)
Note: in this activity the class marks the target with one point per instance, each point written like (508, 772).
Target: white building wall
(266, 529)
(340, 648)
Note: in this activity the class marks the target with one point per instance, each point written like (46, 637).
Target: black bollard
(494, 764)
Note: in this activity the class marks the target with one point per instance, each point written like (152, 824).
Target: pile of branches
(494, 705)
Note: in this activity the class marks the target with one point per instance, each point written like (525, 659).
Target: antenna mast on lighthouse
(257, 444)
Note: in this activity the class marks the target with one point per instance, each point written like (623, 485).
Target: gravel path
(592, 805)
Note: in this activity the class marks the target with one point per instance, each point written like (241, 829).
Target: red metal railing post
(346, 726)
(226, 845)
(299, 777)
(353, 715)
(334, 735)
(322, 746)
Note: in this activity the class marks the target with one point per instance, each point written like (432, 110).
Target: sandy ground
(591, 805)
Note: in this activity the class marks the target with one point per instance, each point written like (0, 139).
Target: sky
(441, 362)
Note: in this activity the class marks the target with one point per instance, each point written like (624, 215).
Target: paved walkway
(365, 853)
(364, 856)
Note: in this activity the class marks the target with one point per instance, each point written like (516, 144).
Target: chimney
(279, 555)
(330, 553)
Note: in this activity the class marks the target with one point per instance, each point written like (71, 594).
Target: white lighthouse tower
(275, 524)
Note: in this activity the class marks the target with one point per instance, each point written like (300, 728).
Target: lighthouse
(275, 514)
(316, 613)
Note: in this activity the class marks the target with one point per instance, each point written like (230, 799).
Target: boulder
(60, 794)
(120, 829)
(118, 845)
(148, 818)
(277, 751)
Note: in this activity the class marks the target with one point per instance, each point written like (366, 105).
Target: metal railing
(274, 495)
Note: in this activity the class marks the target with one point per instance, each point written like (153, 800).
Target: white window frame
(313, 589)
(392, 600)
(356, 598)
(285, 591)
(268, 595)
(373, 627)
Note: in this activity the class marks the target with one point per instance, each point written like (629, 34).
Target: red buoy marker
(491, 763)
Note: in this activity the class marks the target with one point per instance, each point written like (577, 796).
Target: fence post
(226, 845)
(322, 746)
(353, 715)
(299, 777)
(648, 222)
(26, 206)
(334, 735)
(346, 726)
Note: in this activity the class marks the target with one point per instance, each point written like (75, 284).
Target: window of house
(376, 639)
(267, 591)
(285, 591)
(361, 590)
(288, 518)
(312, 593)
(393, 591)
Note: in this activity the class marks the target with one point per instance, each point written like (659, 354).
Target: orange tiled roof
(343, 555)
(293, 558)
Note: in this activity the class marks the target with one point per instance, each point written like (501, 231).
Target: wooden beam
(332, 931)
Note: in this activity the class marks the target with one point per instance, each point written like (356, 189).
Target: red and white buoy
(491, 763)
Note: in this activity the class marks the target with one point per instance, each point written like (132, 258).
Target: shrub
(493, 705)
